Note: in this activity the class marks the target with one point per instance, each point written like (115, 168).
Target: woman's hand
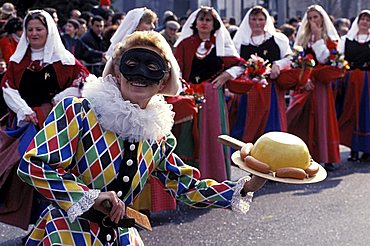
(316, 31)
(309, 86)
(31, 118)
(118, 209)
(254, 184)
(221, 80)
(275, 71)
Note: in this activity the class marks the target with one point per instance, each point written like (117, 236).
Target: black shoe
(353, 156)
(365, 157)
(329, 166)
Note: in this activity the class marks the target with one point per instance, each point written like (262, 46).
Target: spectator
(294, 22)
(74, 45)
(118, 18)
(8, 44)
(170, 33)
(182, 21)
(7, 11)
(83, 27)
(53, 13)
(103, 9)
(75, 14)
(87, 16)
(232, 27)
(342, 26)
(94, 40)
(167, 16)
(290, 32)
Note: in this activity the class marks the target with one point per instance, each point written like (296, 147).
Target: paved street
(333, 212)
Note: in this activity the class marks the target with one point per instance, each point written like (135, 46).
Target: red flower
(309, 57)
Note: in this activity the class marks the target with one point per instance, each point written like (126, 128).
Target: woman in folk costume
(311, 114)
(118, 135)
(153, 198)
(263, 109)
(204, 51)
(139, 19)
(41, 72)
(8, 43)
(354, 118)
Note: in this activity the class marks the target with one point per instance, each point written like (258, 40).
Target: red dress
(311, 116)
(8, 45)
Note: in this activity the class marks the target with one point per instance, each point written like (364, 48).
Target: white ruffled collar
(122, 117)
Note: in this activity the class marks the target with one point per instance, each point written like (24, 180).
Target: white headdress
(244, 33)
(354, 28)
(224, 43)
(331, 31)
(127, 26)
(54, 49)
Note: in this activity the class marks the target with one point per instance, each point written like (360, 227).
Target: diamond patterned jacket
(73, 158)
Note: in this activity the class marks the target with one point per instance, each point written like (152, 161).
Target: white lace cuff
(239, 203)
(84, 204)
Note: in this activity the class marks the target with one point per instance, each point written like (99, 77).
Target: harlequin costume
(30, 85)
(311, 114)
(153, 199)
(354, 91)
(262, 109)
(199, 135)
(102, 143)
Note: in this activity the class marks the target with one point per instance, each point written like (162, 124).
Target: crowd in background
(211, 51)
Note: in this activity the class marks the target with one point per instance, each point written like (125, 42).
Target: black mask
(142, 65)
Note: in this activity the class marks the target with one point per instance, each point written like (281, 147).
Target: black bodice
(39, 87)
(357, 54)
(268, 50)
(203, 69)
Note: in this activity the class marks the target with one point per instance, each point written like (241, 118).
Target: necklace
(202, 52)
(358, 38)
(255, 44)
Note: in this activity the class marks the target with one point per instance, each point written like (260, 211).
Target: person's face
(55, 17)
(70, 30)
(145, 26)
(171, 32)
(82, 29)
(75, 14)
(364, 23)
(257, 23)
(204, 23)
(137, 92)
(315, 17)
(2, 67)
(19, 33)
(36, 34)
(98, 27)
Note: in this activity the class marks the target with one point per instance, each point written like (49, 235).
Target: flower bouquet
(300, 71)
(335, 67)
(186, 105)
(256, 73)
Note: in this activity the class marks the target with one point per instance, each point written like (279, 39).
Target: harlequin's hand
(220, 80)
(254, 184)
(32, 118)
(117, 210)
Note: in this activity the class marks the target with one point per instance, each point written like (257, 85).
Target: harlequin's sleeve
(183, 182)
(51, 153)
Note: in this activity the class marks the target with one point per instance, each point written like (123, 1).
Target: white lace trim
(238, 203)
(84, 204)
(128, 120)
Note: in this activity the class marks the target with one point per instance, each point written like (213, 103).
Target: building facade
(280, 9)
